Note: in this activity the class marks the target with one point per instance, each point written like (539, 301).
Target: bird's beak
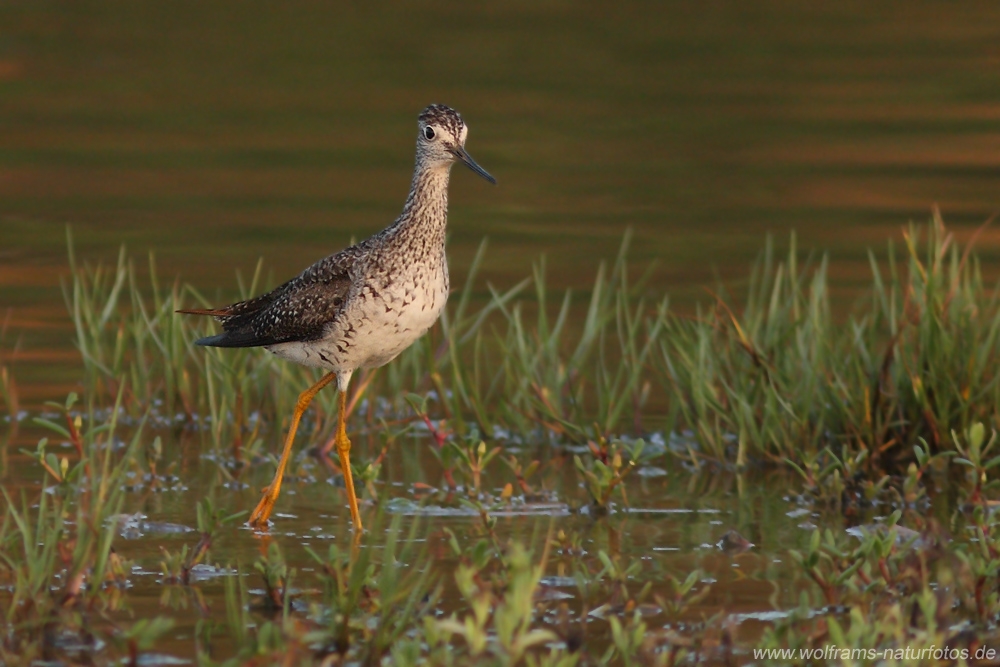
(466, 159)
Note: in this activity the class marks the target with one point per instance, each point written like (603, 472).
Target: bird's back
(296, 311)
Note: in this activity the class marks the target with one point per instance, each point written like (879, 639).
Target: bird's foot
(259, 517)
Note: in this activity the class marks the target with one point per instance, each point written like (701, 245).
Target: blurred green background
(216, 133)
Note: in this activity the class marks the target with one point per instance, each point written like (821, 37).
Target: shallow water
(674, 523)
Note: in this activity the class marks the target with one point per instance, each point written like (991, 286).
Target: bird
(361, 307)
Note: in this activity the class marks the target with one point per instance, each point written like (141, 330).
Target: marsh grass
(881, 407)
(775, 376)
(62, 576)
(901, 590)
(784, 380)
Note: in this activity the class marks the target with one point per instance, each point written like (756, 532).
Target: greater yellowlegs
(364, 305)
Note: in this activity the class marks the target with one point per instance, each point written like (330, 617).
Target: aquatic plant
(889, 411)
(57, 564)
(778, 378)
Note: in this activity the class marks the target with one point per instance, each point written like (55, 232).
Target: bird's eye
(429, 133)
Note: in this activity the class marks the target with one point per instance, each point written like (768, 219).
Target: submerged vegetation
(873, 416)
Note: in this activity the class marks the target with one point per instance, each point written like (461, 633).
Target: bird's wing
(299, 310)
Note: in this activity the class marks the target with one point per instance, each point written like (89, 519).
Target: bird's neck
(425, 212)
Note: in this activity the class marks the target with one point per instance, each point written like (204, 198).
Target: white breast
(378, 323)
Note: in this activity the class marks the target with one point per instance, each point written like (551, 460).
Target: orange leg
(343, 446)
(260, 515)
(366, 379)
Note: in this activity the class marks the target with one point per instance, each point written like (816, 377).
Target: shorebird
(362, 306)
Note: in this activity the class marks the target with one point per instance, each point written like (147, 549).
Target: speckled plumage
(361, 307)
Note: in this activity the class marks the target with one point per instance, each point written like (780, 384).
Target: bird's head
(441, 139)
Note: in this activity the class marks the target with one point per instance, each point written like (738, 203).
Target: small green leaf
(977, 434)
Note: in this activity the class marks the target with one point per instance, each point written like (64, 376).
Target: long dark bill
(467, 160)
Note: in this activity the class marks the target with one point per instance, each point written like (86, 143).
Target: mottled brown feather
(298, 310)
